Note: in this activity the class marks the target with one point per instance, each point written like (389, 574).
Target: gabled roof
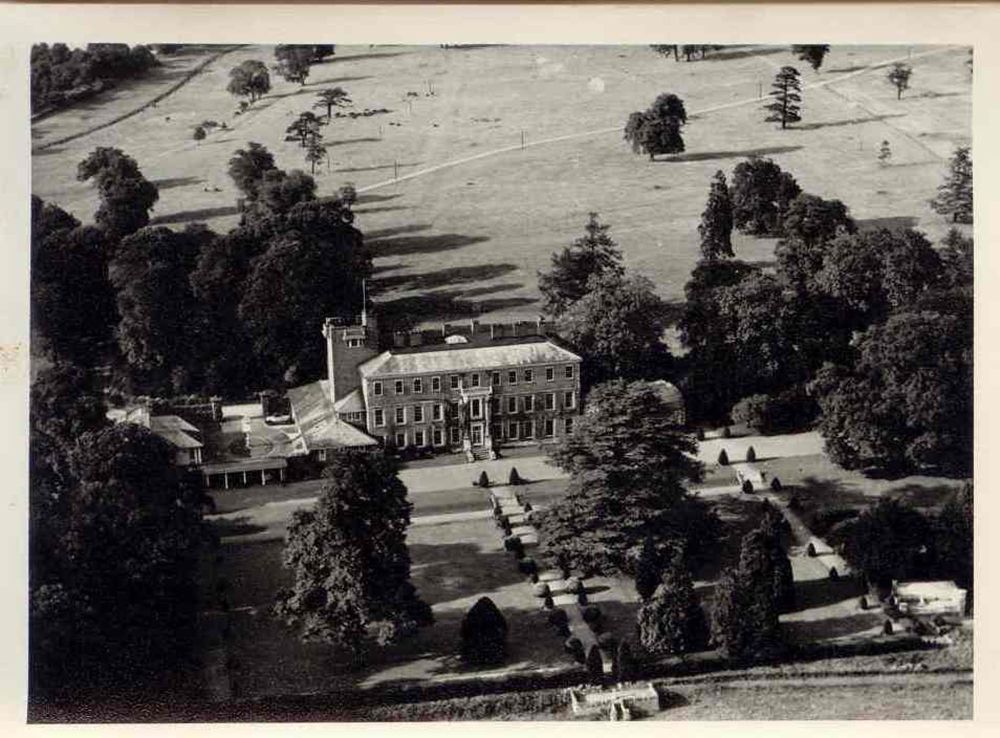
(460, 358)
(171, 422)
(351, 403)
(318, 422)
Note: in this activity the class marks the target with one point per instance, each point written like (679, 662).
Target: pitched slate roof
(350, 403)
(461, 357)
(318, 422)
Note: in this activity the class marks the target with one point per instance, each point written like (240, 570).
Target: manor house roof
(463, 357)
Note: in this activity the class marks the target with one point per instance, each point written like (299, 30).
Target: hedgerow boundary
(145, 106)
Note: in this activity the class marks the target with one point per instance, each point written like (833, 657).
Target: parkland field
(490, 158)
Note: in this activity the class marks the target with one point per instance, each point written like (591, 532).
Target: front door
(477, 434)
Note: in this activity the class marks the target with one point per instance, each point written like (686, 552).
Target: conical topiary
(776, 484)
(514, 478)
(595, 665)
(723, 458)
(726, 433)
(751, 455)
(484, 479)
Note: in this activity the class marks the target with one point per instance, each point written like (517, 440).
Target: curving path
(618, 129)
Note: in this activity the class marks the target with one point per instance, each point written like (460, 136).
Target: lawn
(445, 243)
(453, 565)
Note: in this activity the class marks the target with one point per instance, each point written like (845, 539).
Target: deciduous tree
(761, 194)
(349, 558)
(126, 196)
(899, 75)
(657, 130)
(330, 98)
(293, 62)
(813, 54)
(906, 403)
(248, 166)
(618, 327)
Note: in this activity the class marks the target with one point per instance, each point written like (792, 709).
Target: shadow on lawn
(892, 222)
(166, 184)
(190, 216)
(847, 122)
(406, 245)
(710, 155)
(366, 198)
(821, 592)
(445, 306)
(738, 52)
(373, 236)
(442, 277)
(815, 630)
(226, 527)
(346, 141)
(349, 170)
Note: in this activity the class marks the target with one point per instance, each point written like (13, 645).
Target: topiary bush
(887, 627)
(527, 566)
(592, 614)
(484, 479)
(547, 603)
(747, 487)
(811, 550)
(700, 434)
(574, 647)
(776, 487)
(527, 507)
(726, 432)
(863, 603)
(484, 634)
(723, 458)
(558, 618)
(581, 597)
(595, 665)
(513, 544)
(834, 574)
(751, 455)
(514, 478)
(541, 589)
(533, 577)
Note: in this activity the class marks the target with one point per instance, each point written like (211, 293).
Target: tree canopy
(249, 79)
(906, 402)
(126, 196)
(349, 558)
(814, 54)
(248, 166)
(786, 93)
(761, 193)
(716, 226)
(593, 254)
(672, 621)
(618, 327)
(293, 62)
(628, 466)
(657, 130)
(954, 198)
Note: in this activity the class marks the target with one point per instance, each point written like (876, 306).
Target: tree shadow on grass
(847, 122)
(407, 245)
(48, 151)
(815, 630)
(893, 222)
(821, 592)
(444, 306)
(192, 216)
(846, 70)
(336, 81)
(386, 209)
(166, 184)
(346, 141)
(738, 52)
(380, 167)
(227, 527)
(712, 155)
(450, 277)
(492, 289)
(366, 198)
(360, 57)
(738, 516)
(373, 236)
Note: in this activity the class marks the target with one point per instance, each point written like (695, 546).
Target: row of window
(513, 430)
(526, 402)
(475, 379)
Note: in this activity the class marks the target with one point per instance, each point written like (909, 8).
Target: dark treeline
(125, 308)
(61, 75)
(870, 331)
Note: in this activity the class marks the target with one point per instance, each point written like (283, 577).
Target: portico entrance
(476, 429)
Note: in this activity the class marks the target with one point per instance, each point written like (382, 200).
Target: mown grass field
(469, 238)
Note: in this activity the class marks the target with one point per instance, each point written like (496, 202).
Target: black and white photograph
(389, 382)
